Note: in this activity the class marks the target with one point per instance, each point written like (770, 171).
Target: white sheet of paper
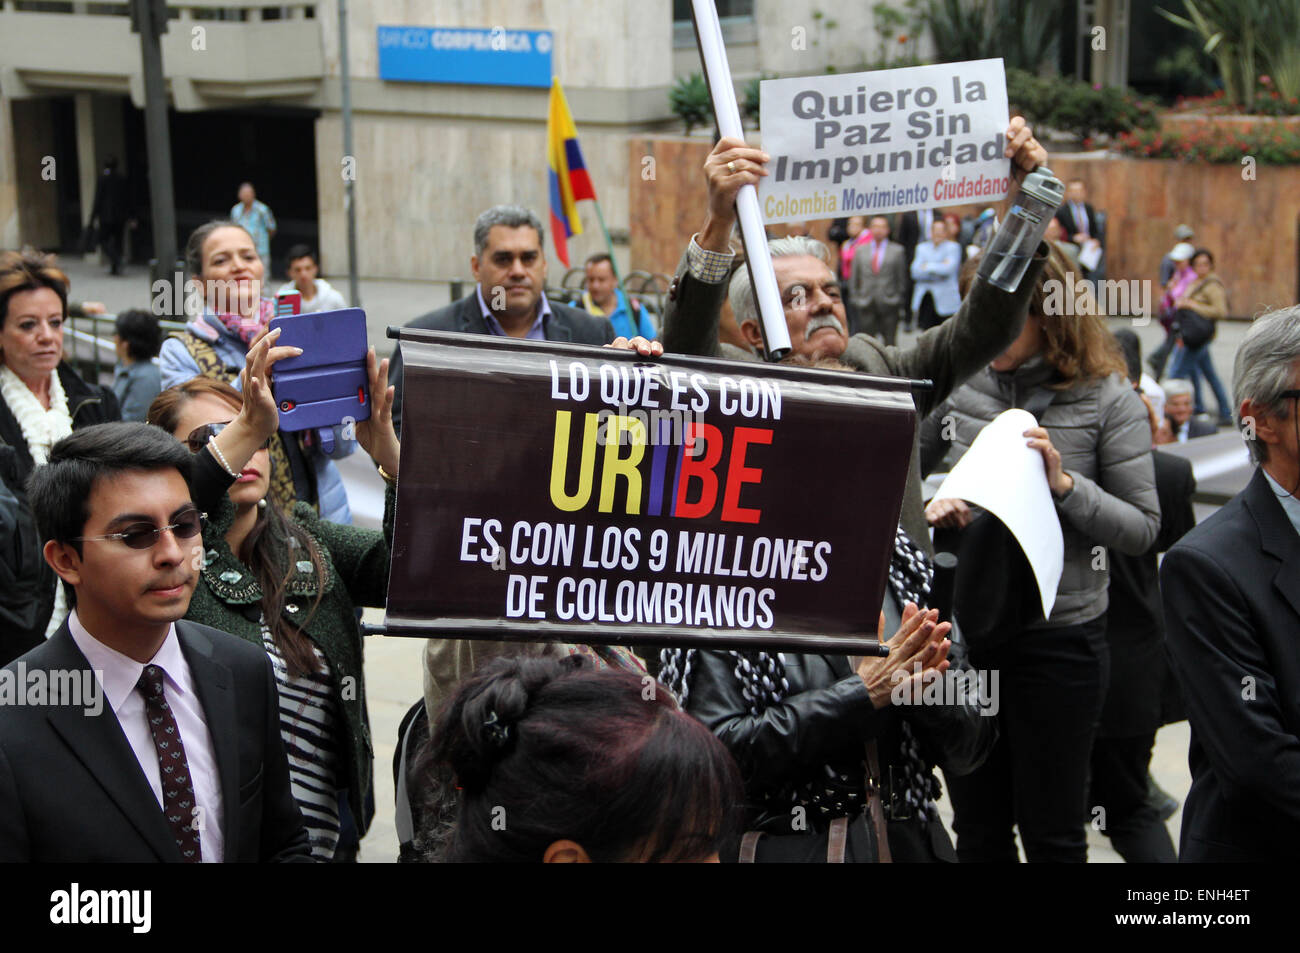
(1004, 476)
(1090, 256)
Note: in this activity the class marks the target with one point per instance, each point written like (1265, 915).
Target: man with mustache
(988, 320)
(182, 762)
(509, 299)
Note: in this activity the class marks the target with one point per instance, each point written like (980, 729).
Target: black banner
(561, 492)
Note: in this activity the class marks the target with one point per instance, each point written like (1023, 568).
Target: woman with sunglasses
(292, 583)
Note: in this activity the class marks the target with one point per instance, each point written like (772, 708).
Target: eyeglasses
(143, 535)
(1288, 395)
(199, 437)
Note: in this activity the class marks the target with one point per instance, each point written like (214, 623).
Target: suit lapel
(558, 329)
(99, 743)
(471, 316)
(215, 688)
(1277, 537)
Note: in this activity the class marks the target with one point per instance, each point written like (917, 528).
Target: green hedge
(1076, 107)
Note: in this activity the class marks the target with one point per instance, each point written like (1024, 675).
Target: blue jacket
(934, 269)
(136, 385)
(178, 367)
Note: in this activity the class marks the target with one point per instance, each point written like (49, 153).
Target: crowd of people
(169, 536)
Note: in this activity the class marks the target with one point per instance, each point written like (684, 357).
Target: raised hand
(376, 435)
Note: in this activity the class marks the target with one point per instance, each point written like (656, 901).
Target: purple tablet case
(327, 383)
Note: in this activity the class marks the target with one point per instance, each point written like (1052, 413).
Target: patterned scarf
(763, 684)
(249, 328)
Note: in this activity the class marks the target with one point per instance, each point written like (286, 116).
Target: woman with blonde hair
(1095, 439)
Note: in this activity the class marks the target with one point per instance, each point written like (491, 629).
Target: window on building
(726, 8)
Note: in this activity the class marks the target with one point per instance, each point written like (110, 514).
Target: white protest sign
(1001, 474)
(884, 141)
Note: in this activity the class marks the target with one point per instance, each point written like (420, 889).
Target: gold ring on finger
(731, 166)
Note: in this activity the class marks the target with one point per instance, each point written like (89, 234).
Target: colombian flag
(567, 176)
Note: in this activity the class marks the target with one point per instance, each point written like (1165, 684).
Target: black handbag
(1194, 328)
(859, 838)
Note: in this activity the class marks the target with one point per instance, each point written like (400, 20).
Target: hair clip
(499, 733)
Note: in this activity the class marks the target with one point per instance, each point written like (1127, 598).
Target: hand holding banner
(717, 73)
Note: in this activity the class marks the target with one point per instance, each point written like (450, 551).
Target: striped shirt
(309, 728)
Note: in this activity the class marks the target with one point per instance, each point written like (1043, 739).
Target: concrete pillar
(87, 160)
(37, 170)
(8, 178)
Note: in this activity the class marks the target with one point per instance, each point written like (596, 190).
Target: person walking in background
(1181, 278)
(1183, 235)
(304, 278)
(1196, 314)
(602, 297)
(255, 218)
(877, 283)
(109, 213)
(936, 297)
(136, 378)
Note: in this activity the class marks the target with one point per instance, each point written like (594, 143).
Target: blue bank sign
(488, 57)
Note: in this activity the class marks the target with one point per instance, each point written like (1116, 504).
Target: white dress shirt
(118, 675)
(1290, 505)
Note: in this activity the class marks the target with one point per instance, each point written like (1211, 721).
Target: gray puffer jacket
(1101, 429)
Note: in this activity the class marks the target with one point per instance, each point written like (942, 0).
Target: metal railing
(93, 355)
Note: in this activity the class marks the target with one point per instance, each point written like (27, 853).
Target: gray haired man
(986, 323)
(1231, 590)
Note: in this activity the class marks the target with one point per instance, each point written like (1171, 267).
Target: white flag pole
(717, 73)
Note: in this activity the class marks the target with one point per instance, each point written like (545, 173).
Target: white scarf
(41, 428)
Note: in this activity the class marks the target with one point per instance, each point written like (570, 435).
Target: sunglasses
(199, 437)
(143, 535)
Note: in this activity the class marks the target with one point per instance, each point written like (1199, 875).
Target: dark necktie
(174, 770)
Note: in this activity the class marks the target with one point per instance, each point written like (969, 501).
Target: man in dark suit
(1084, 225)
(131, 735)
(109, 213)
(1231, 592)
(509, 297)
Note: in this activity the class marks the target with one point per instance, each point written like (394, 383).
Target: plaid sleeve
(710, 267)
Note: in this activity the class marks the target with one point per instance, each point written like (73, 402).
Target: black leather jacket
(825, 720)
